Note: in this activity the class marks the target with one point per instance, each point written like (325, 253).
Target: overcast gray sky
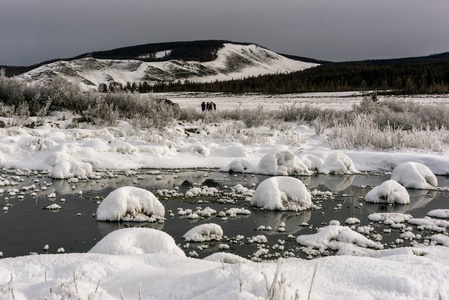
(32, 31)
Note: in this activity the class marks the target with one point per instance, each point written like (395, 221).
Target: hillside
(158, 63)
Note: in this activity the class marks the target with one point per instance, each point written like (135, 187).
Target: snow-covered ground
(123, 266)
(335, 100)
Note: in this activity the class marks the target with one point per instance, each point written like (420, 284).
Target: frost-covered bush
(282, 193)
(414, 175)
(132, 241)
(388, 192)
(130, 204)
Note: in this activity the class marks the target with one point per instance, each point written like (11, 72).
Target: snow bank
(204, 232)
(281, 163)
(388, 192)
(282, 193)
(70, 168)
(338, 238)
(130, 204)
(414, 175)
(130, 241)
(338, 162)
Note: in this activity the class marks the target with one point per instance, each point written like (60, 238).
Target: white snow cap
(281, 163)
(130, 241)
(414, 175)
(227, 258)
(69, 169)
(204, 232)
(338, 162)
(388, 192)
(282, 193)
(130, 204)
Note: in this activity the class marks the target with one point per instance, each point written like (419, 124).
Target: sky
(338, 30)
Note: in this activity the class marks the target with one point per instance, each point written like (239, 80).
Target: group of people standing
(208, 106)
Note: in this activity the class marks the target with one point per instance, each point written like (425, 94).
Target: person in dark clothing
(203, 106)
(214, 105)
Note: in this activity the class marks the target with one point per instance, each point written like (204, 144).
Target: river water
(26, 227)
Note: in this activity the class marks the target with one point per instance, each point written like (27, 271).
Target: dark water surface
(26, 226)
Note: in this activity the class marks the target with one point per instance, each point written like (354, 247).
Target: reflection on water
(26, 226)
(106, 228)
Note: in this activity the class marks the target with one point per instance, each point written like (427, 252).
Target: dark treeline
(411, 78)
(420, 77)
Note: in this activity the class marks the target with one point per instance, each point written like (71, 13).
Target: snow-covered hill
(233, 62)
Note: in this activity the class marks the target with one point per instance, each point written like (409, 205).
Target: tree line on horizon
(425, 77)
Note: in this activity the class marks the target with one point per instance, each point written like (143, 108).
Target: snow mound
(130, 204)
(388, 192)
(440, 239)
(204, 232)
(439, 213)
(227, 258)
(69, 169)
(239, 166)
(281, 163)
(339, 162)
(282, 193)
(131, 241)
(414, 175)
(338, 238)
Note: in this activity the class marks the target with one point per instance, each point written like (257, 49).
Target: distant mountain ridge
(199, 61)
(200, 50)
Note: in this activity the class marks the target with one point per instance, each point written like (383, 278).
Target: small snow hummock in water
(130, 204)
(394, 220)
(204, 232)
(53, 206)
(430, 224)
(414, 175)
(339, 238)
(68, 169)
(130, 241)
(388, 192)
(439, 213)
(282, 193)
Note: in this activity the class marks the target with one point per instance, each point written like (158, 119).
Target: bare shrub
(320, 124)
(255, 117)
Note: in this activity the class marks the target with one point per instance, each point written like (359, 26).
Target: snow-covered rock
(389, 191)
(70, 168)
(338, 162)
(130, 241)
(414, 175)
(281, 163)
(282, 193)
(130, 204)
(204, 232)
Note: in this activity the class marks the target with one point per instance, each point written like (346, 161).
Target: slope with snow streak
(233, 62)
